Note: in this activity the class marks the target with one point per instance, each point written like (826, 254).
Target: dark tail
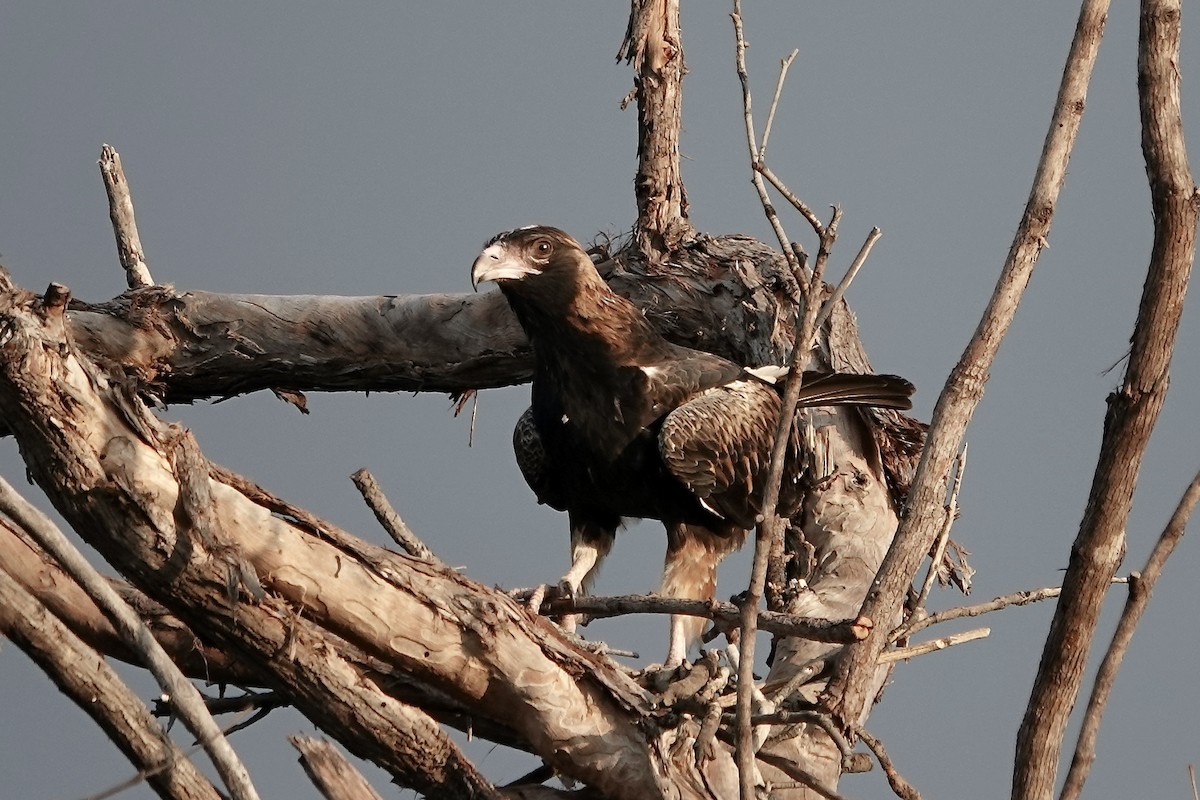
(846, 388)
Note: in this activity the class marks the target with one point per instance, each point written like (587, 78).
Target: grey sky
(370, 149)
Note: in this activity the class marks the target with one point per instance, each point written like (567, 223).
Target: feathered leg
(590, 543)
(690, 571)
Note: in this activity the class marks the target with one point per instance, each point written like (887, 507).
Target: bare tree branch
(36, 571)
(114, 472)
(725, 614)
(1132, 410)
(1021, 598)
(184, 696)
(120, 211)
(902, 788)
(82, 674)
(943, 538)
(653, 45)
(752, 144)
(850, 689)
(1140, 588)
(334, 776)
(401, 534)
(932, 646)
(784, 65)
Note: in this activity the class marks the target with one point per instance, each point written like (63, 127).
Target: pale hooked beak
(495, 263)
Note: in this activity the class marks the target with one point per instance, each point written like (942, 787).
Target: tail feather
(846, 388)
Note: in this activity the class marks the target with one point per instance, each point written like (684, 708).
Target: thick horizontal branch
(724, 614)
(196, 345)
(726, 294)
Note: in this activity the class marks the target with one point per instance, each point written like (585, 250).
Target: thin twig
(187, 699)
(939, 551)
(384, 512)
(752, 144)
(744, 753)
(902, 788)
(1021, 598)
(1140, 588)
(725, 614)
(120, 211)
(809, 215)
(784, 64)
(932, 646)
(860, 259)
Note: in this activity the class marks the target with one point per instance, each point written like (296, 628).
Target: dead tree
(383, 650)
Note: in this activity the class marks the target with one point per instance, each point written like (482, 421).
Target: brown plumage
(624, 423)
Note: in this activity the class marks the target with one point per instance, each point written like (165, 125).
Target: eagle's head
(552, 286)
(537, 254)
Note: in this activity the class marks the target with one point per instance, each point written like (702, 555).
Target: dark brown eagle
(623, 423)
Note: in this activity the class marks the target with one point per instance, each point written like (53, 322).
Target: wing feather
(718, 445)
(531, 458)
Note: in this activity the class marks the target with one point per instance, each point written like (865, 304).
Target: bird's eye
(543, 248)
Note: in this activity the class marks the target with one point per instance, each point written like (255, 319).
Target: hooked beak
(495, 263)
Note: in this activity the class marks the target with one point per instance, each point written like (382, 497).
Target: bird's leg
(690, 572)
(590, 543)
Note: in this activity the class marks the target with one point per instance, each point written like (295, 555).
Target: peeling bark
(121, 478)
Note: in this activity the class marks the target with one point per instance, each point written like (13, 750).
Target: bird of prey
(624, 423)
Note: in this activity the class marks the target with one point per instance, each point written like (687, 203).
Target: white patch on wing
(707, 507)
(770, 373)
(651, 372)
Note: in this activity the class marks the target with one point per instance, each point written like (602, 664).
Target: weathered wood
(853, 686)
(114, 472)
(330, 772)
(1132, 412)
(654, 47)
(82, 674)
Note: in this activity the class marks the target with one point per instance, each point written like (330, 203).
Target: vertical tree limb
(120, 211)
(850, 688)
(1140, 588)
(1132, 410)
(653, 46)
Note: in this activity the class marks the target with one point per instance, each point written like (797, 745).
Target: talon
(536, 597)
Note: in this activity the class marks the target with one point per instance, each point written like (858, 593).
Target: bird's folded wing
(718, 445)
